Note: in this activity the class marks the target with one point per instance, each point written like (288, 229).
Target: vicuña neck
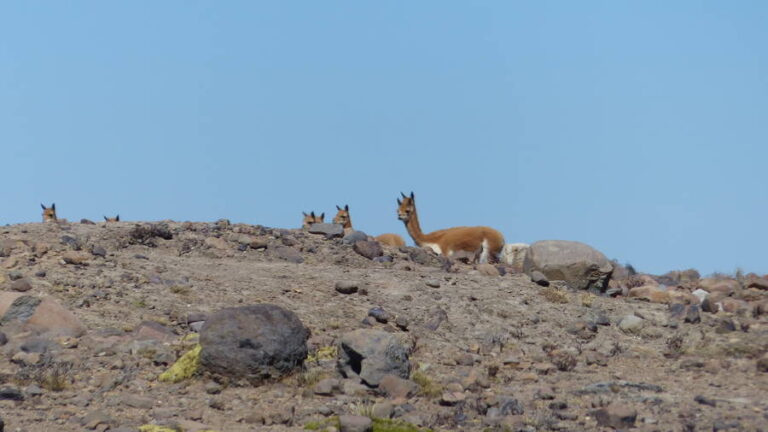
(414, 228)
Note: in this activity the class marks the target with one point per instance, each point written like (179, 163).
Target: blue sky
(639, 128)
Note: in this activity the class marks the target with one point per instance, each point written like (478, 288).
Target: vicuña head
(343, 218)
(484, 241)
(49, 213)
(310, 219)
(113, 219)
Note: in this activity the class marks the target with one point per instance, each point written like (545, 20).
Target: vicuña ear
(41, 205)
(399, 202)
(322, 216)
(346, 207)
(53, 206)
(412, 195)
(117, 218)
(105, 218)
(337, 207)
(312, 214)
(304, 213)
(403, 195)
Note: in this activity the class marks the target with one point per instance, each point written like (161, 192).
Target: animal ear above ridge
(346, 207)
(117, 218)
(412, 197)
(403, 195)
(399, 202)
(322, 215)
(106, 219)
(337, 207)
(53, 206)
(43, 206)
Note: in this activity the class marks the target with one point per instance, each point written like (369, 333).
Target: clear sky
(640, 128)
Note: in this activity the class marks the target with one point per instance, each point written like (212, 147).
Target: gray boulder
(579, 265)
(329, 230)
(354, 237)
(373, 354)
(253, 343)
(368, 249)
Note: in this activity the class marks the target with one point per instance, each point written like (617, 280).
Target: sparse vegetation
(554, 295)
(427, 387)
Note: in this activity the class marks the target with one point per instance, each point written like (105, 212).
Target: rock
(700, 294)
(151, 330)
(396, 387)
(538, 278)
(705, 400)
(383, 259)
(401, 322)
(651, 293)
(327, 386)
(253, 343)
(758, 283)
(433, 283)
(762, 364)
(354, 237)
(382, 410)
(3, 339)
(422, 256)
(346, 287)
(328, 230)
(217, 243)
(579, 265)
(87, 222)
(688, 313)
(15, 275)
(452, 398)
(355, 423)
(99, 251)
(380, 315)
(616, 416)
(11, 393)
(21, 285)
(96, 419)
(26, 358)
(289, 254)
(372, 354)
(368, 249)
(437, 316)
(631, 324)
(487, 270)
(42, 315)
(75, 258)
(137, 401)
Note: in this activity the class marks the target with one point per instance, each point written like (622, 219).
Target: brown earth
(480, 341)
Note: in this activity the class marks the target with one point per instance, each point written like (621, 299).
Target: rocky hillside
(360, 337)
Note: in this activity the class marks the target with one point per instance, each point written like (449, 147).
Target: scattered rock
(538, 278)
(42, 315)
(99, 251)
(616, 416)
(372, 354)
(631, 324)
(354, 237)
(21, 285)
(11, 393)
(579, 265)
(369, 249)
(346, 287)
(355, 423)
(487, 270)
(328, 230)
(253, 343)
(380, 315)
(396, 387)
(433, 283)
(327, 387)
(289, 254)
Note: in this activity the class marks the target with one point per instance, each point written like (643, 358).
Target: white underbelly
(434, 247)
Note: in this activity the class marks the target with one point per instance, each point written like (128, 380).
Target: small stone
(402, 323)
(41, 273)
(398, 388)
(383, 410)
(355, 423)
(329, 230)
(433, 283)
(327, 386)
(452, 398)
(15, 275)
(631, 324)
(21, 285)
(616, 416)
(762, 364)
(354, 237)
(75, 258)
(346, 287)
(487, 269)
(538, 278)
(289, 254)
(32, 390)
(213, 388)
(26, 358)
(368, 249)
(705, 400)
(380, 315)
(3, 339)
(99, 251)
(11, 393)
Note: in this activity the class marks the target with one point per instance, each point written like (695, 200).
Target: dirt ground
(478, 340)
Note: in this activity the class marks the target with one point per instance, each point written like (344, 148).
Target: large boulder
(373, 354)
(252, 343)
(329, 230)
(42, 315)
(579, 265)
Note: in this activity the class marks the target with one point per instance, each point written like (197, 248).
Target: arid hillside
(93, 314)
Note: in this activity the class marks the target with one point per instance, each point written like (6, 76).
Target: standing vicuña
(114, 219)
(310, 219)
(483, 240)
(49, 213)
(343, 218)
